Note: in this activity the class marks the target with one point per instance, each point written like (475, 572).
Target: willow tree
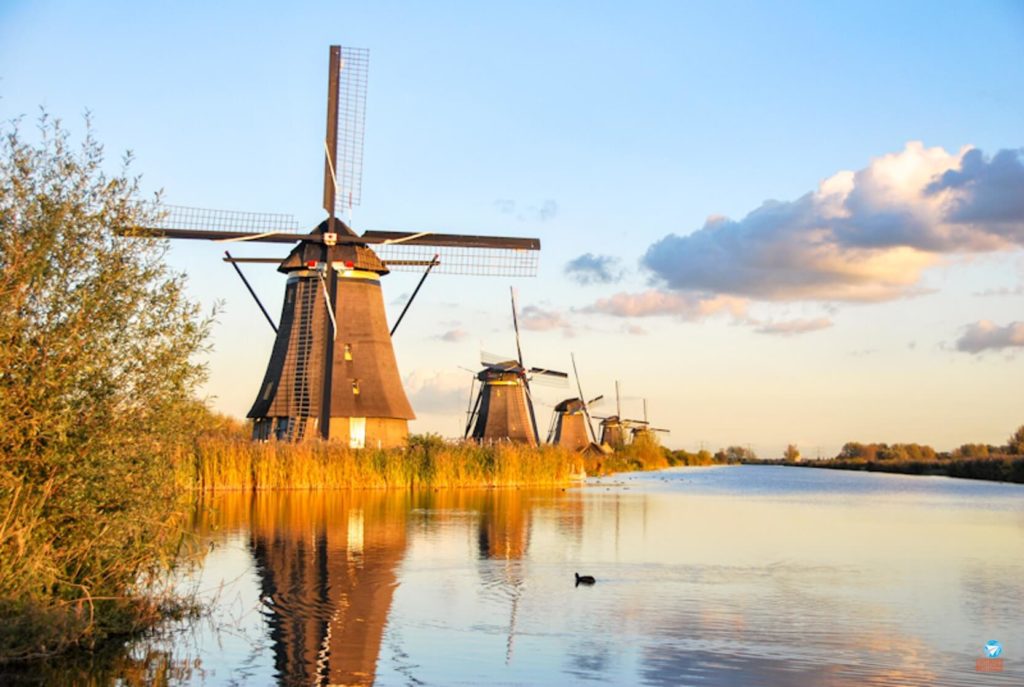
(97, 377)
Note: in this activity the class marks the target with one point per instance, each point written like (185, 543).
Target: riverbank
(993, 468)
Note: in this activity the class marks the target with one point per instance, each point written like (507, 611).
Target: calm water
(706, 576)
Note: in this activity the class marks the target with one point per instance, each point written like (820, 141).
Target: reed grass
(223, 462)
(643, 453)
(998, 468)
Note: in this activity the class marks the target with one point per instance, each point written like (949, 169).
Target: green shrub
(96, 381)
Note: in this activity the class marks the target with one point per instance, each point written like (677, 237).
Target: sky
(777, 223)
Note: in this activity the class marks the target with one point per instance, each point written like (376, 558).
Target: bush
(96, 388)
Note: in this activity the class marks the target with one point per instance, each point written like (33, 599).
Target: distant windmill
(642, 429)
(332, 372)
(617, 431)
(504, 406)
(570, 425)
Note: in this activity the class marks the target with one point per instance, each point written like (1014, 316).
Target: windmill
(617, 431)
(504, 406)
(332, 371)
(640, 430)
(571, 426)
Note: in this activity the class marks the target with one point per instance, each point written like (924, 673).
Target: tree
(97, 381)
(972, 451)
(1015, 444)
(792, 453)
(735, 454)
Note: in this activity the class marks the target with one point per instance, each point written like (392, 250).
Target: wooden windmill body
(332, 371)
(504, 408)
(570, 425)
(504, 411)
(617, 432)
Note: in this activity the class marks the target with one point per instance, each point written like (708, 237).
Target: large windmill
(332, 371)
(504, 406)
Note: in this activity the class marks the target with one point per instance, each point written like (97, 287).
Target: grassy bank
(992, 468)
(224, 462)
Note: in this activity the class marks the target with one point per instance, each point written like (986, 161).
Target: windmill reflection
(327, 565)
(503, 539)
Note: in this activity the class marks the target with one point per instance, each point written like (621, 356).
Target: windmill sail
(346, 119)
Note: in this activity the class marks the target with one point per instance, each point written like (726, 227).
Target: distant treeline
(972, 461)
(724, 456)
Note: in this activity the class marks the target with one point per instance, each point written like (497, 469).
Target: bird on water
(584, 579)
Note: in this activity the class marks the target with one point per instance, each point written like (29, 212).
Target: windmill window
(267, 390)
(355, 387)
(348, 351)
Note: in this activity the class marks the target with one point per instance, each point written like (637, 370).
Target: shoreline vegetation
(227, 459)
(970, 461)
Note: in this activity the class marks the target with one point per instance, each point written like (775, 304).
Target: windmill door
(356, 432)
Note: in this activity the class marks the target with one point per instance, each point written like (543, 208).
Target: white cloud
(634, 330)
(793, 327)
(656, 302)
(861, 236)
(593, 269)
(984, 335)
(548, 209)
(538, 319)
(437, 391)
(453, 335)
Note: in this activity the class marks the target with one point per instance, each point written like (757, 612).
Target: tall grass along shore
(222, 462)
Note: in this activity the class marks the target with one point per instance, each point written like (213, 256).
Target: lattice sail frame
(353, 75)
(399, 257)
(199, 219)
(471, 261)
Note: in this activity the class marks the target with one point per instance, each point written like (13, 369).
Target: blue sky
(605, 128)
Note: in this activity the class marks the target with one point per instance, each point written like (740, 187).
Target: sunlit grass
(230, 462)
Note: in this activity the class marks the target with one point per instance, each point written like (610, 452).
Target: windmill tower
(332, 371)
(640, 431)
(571, 427)
(504, 406)
(612, 433)
(617, 431)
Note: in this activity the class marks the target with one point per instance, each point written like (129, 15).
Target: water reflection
(327, 566)
(726, 577)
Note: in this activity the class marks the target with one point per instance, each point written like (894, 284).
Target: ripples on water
(736, 576)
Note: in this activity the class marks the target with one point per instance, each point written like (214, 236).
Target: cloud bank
(984, 336)
(860, 236)
(593, 269)
(538, 319)
(656, 302)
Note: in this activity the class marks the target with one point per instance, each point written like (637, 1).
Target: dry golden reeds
(229, 462)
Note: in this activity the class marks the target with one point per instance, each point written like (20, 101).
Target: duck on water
(584, 579)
